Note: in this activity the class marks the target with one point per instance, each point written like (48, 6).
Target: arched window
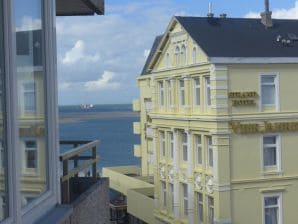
(177, 56)
(168, 60)
(194, 55)
(183, 55)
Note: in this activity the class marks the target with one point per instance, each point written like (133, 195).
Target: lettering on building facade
(265, 127)
(243, 98)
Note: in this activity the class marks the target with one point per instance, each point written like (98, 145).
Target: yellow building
(218, 124)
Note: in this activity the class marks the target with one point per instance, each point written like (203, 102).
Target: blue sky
(100, 57)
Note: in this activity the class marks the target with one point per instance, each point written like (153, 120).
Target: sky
(100, 57)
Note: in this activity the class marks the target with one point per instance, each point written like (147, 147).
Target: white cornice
(254, 60)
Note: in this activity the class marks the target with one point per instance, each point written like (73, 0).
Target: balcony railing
(78, 153)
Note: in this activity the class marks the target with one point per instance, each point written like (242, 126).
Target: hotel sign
(265, 127)
(243, 98)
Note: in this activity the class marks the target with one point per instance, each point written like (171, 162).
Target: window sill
(272, 173)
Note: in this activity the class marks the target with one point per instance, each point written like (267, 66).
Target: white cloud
(104, 82)
(29, 23)
(291, 13)
(78, 53)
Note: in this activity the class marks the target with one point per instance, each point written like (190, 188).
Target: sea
(111, 124)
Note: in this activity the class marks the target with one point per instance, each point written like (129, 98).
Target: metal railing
(75, 155)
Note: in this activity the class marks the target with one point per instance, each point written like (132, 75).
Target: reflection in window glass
(3, 189)
(31, 98)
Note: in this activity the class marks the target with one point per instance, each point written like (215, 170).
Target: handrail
(74, 154)
(76, 151)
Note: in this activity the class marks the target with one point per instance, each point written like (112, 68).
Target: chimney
(210, 13)
(267, 16)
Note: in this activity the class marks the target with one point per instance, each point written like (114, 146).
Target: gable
(166, 53)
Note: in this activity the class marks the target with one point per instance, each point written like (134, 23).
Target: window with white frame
(171, 144)
(272, 209)
(177, 56)
(183, 55)
(198, 145)
(182, 92)
(163, 193)
(194, 55)
(168, 60)
(200, 207)
(29, 93)
(197, 91)
(161, 93)
(162, 144)
(185, 199)
(269, 90)
(210, 151)
(210, 210)
(184, 147)
(207, 91)
(30, 153)
(270, 151)
(170, 93)
(171, 186)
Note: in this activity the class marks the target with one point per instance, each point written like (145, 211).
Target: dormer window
(177, 56)
(183, 55)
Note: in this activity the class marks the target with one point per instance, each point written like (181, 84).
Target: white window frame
(183, 55)
(200, 204)
(170, 93)
(171, 145)
(182, 92)
(276, 106)
(163, 192)
(46, 201)
(184, 147)
(172, 195)
(194, 55)
(280, 206)
(25, 165)
(198, 147)
(177, 56)
(161, 93)
(210, 149)
(277, 167)
(207, 91)
(210, 207)
(196, 98)
(29, 91)
(162, 144)
(184, 193)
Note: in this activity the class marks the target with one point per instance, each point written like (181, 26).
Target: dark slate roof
(237, 37)
(234, 37)
(151, 54)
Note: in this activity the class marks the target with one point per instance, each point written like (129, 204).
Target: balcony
(84, 194)
(136, 105)
(137, 151)
(137, 128)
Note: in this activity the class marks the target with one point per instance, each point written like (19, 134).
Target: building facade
(29, 142)
(219, 122)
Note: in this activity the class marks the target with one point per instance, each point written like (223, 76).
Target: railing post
(94, 174)
(65, 184)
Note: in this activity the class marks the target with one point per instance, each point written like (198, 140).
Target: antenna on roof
(210, 13)
(267, 16)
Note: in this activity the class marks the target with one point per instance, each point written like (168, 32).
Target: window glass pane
(31, 98)
(208, 91)
(271, 201)
(268, 79)
(3, 166)
(270, 140)
(268, 95)
(270, 156)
